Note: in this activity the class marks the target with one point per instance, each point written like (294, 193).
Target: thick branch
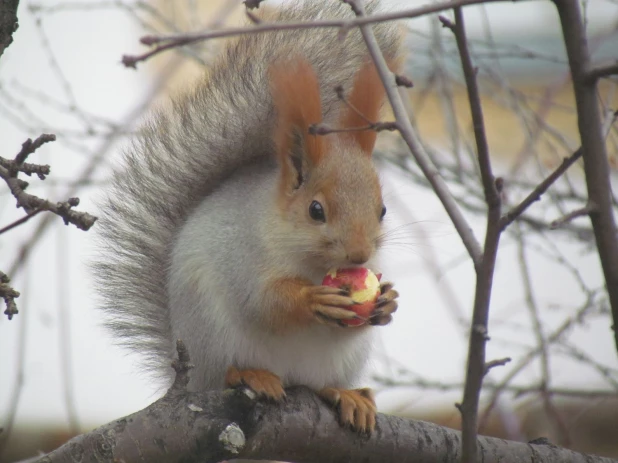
(215, 426)
(596, 165)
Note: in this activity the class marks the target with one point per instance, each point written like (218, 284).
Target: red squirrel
(227, 212)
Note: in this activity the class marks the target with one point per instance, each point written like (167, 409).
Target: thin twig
(416, 148)
(581, 212)
(97, 157)
(518, 391)
(30, 203)
(8, 420)
(606, 70)
(18, 222)
(64, 330)
(173, 41)
(542, 187)
(496, 363)
(525, 360)
(541, 339)
(324, 129)
(9, 294)
(536, 194)
(182, 365)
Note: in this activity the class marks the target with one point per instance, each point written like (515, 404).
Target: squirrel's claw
(264, 383)
(386, 305)
(327, 305)
(356, 407)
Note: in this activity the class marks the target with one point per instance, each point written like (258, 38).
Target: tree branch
(596, 165)
(542, 187)
(9, 294)
(177, 40)
(476, 364)
(217, 425)
(582, 211)
(518, 391)
(8, 22)
(416, 148)
(9, 169)
(536, 194)
(605, 70)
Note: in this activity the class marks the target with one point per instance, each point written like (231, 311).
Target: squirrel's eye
(383, 213)
(316, 211)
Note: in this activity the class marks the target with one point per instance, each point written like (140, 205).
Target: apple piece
(364, 287)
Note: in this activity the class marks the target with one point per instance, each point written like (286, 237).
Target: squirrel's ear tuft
(296, 96)
(366, 99)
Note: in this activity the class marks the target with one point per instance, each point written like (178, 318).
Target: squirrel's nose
(358, 256)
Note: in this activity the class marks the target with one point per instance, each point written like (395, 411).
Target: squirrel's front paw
(386, 305)
(264, 383)
(356, 407)
(327, 304)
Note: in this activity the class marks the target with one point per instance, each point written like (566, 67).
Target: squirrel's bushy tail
(188, 148)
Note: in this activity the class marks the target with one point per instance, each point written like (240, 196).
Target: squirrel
(227, 212)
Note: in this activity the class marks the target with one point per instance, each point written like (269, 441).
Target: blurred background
(60, 373)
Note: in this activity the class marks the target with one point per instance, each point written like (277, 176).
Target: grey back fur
(188, 148)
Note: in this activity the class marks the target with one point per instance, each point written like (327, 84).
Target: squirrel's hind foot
(264, 383)
(356, 407)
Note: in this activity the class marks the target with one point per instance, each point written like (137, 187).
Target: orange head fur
(364, 104)
(365, 101)
(296, 96)
(329, 191)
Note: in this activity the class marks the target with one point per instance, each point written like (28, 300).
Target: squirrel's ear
(296, 96)
(366, 99)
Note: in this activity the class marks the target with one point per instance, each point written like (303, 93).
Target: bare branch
(582, 211)
(182, 365)
(542, 187)
(416, 148)
(9, 169)
(18, 222)
(490, 386)
(596, 165)
(600, 71)
(28, 147)
(525, 360)
(9, 295)
(173, 41)
(496, 363)
(8, 22)
(536, 194)
(220, 425)
(324, 129)
(98, 156)
(477, 367)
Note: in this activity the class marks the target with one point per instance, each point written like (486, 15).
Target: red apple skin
(354, 279)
